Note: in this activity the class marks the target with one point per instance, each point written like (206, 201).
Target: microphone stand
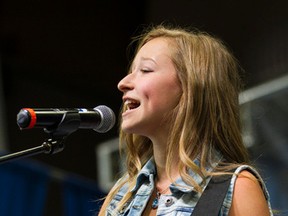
(50, 146)
(55, 144)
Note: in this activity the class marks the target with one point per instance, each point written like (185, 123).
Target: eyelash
(146, 70)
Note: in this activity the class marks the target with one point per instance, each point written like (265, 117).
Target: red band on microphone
(33, 118)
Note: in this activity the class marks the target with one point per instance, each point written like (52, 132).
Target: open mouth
(131, 104)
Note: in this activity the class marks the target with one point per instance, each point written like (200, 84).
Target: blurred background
(56, 54)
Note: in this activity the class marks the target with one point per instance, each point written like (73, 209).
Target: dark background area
(73, 53)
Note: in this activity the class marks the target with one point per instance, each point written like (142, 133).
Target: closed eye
(145, 70)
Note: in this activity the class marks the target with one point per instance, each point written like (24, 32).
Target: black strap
(213, 196)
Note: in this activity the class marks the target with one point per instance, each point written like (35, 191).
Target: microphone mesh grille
(107, 118)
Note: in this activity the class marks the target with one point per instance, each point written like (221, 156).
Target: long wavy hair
(207, 117)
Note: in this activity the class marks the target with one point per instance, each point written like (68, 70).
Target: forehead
(156, 49)
(156, 45)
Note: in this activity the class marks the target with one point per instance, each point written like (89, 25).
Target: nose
(126, 83)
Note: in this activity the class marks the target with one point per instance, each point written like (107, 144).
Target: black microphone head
(23, 118)
(108, 119)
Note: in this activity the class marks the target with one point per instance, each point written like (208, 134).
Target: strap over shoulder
(215, 193)
(213, 196)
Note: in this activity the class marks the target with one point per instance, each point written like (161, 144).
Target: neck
(160, 158)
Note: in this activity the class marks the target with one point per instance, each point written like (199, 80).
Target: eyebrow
(148, 59)
(143, 59)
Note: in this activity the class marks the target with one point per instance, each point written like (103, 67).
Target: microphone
(100, 118)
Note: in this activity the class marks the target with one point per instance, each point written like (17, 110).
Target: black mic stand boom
(55, 144)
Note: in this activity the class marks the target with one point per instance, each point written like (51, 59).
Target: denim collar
(148, 173)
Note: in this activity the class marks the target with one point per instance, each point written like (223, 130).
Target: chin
(127, 131)
(127, 128)
(130, 130)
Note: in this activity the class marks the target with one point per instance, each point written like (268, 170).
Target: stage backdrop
(25, 186)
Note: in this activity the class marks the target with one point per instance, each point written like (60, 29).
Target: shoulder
(249, 195)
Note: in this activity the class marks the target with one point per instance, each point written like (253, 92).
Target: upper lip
(129, 99)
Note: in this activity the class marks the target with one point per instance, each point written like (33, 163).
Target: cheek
(172, 94)
(166, 95)
(147, 90)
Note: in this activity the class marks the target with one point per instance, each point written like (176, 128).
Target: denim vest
(181, 202)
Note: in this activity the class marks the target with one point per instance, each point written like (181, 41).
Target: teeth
(131, 104)
(127, 102)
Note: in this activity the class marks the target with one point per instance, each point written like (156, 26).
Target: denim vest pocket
(179, 211)
(183, 211)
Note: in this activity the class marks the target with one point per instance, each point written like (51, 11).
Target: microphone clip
(69, 124)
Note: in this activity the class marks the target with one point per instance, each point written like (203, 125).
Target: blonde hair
(206, 119)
